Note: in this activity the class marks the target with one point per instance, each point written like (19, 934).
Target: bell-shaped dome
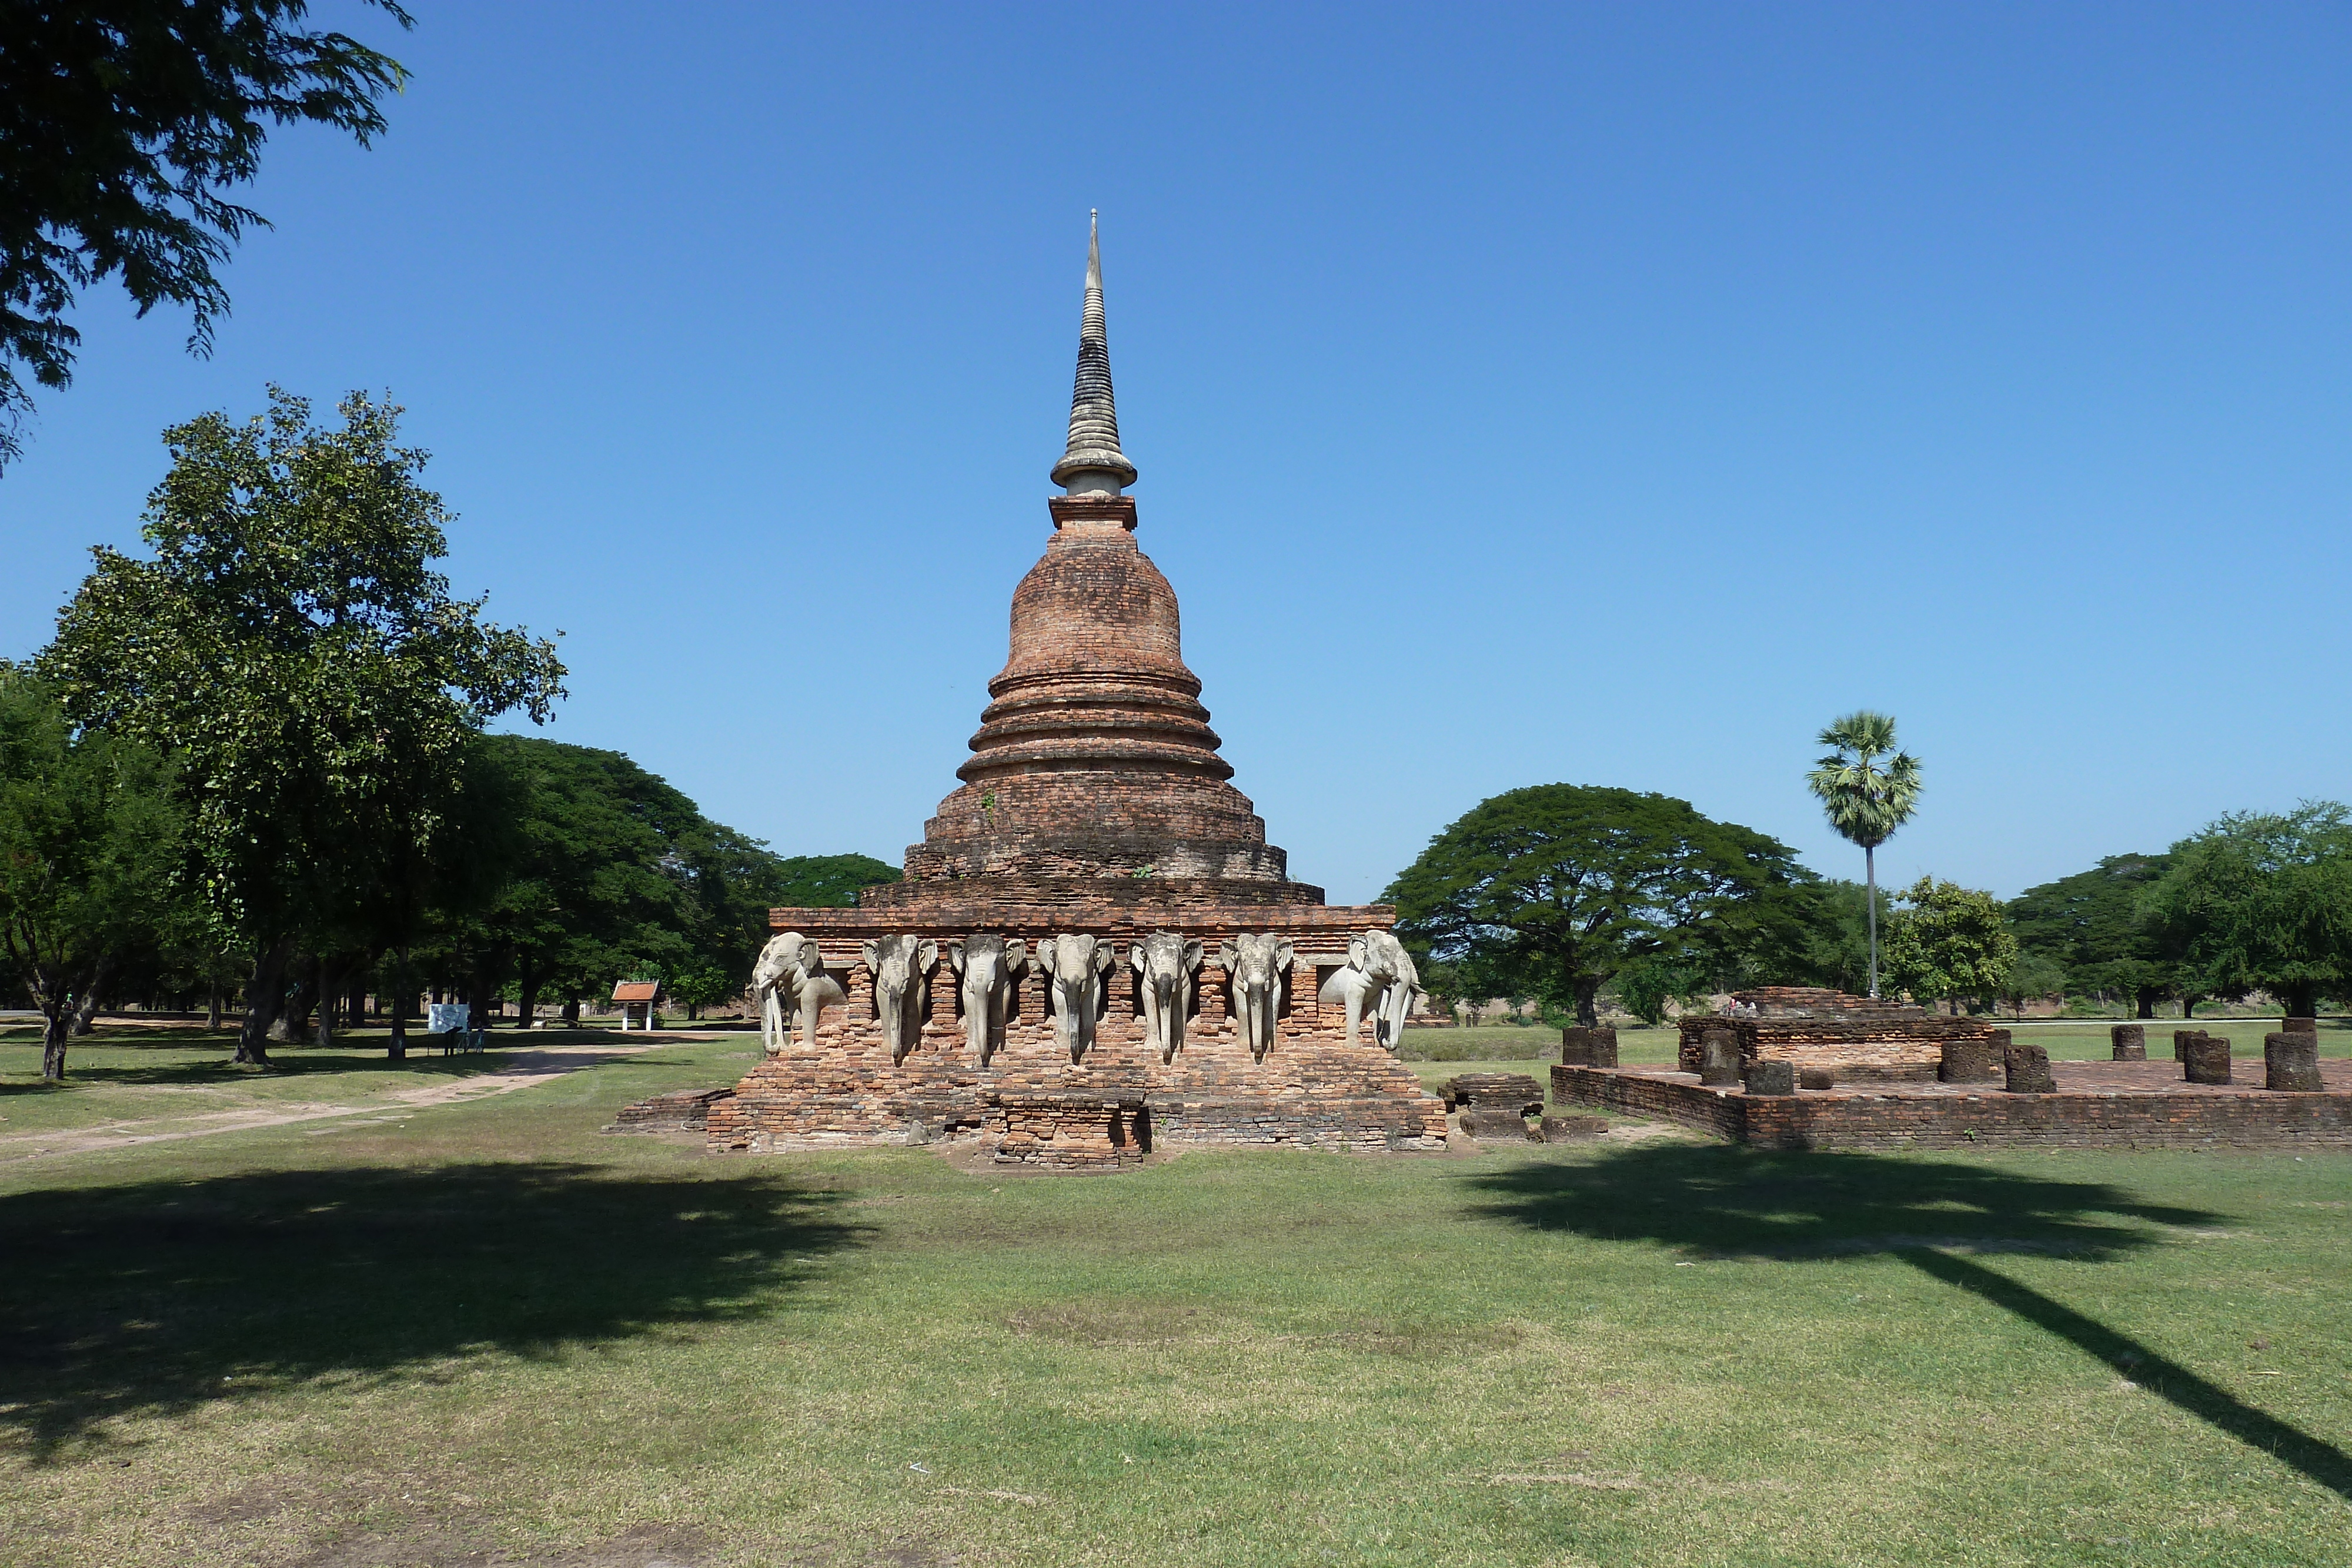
(1095, 760)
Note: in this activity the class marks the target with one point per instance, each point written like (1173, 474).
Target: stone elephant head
(1167, 964)
(1258, 970)
(1074, 967)
(901, 968)
(1379, 982)
(987, 968)
(794, 989)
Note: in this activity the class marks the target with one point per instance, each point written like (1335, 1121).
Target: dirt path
(521, 1071)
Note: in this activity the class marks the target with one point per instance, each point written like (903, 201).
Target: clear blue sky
(1611, 395)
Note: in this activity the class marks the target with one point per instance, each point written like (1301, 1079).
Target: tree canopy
(830, 881)
(290, 646)
(1551, 891)
(2263, 899)
(1947, 942)
(1865, 799)
(2094, 928)
(122, 123)
(88, 835)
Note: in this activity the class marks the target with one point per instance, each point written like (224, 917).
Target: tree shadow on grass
(155, 1297)
(1722, 1202)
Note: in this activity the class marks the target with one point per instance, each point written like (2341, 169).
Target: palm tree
(1866, 798)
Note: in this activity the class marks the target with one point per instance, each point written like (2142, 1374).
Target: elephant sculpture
(987, 968)
(1378, 982)
(1074, 969)
(1258, 968)
(1166, 965)
(794, 989)
(901, 968)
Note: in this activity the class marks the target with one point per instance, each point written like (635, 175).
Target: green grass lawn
(484, 1332)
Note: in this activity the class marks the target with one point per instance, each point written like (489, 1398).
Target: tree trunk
(88, 1010)
(329, 1004)
(2147, 999)
(527, 983)
(1587, 1010)
(2302, 1000)
(294, 1019)
(265, 998)
(403, 990)
(53, 1040)
(1870, 877)
(2188, 1006)
(213, 1020)
(572, 1012)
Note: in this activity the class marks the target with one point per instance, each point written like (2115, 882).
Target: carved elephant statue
(794, 989)
(901, 968)
(1168, 964)
(1378, 982)
(987, 968)
(1258, 969)
(1074, 969)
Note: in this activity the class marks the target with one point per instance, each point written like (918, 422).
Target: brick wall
(1894, 1048)
(2149, 1111)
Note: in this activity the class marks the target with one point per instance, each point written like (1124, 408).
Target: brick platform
(1312, 1091)
(2098, 1105)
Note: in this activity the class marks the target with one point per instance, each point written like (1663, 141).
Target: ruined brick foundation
(2096, 1105)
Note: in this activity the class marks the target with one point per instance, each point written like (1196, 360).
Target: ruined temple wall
(1895, 1045)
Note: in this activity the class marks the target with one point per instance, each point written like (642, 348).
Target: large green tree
(1867, 789)
(88, 835)
(123, 124)
(614, 871)
(290, 645)
(2094, 925)
(1947, 942)
(2264, 900)
(1551, 891)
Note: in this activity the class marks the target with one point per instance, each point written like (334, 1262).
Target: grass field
(479, 1331)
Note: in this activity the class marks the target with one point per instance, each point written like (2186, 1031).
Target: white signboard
(443, 1017)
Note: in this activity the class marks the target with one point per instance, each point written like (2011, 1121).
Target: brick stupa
(1095, 803)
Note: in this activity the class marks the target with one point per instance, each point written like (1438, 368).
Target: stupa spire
(1093, 464)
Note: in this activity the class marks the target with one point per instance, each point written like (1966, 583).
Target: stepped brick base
(2102, 1104)
(1314, 1090)
(679, 1111)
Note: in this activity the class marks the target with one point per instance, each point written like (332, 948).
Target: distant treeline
(557, 871)
(1568, 894)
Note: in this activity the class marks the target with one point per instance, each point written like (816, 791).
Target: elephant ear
(1283, 954)
(1192, 955)
(1046, 952)
(927, 952)
(1227, 956)
(872, 949)
(1135, 957)
(1016, 956)
(955, 956)
(1106, 956)
(1358, 951)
